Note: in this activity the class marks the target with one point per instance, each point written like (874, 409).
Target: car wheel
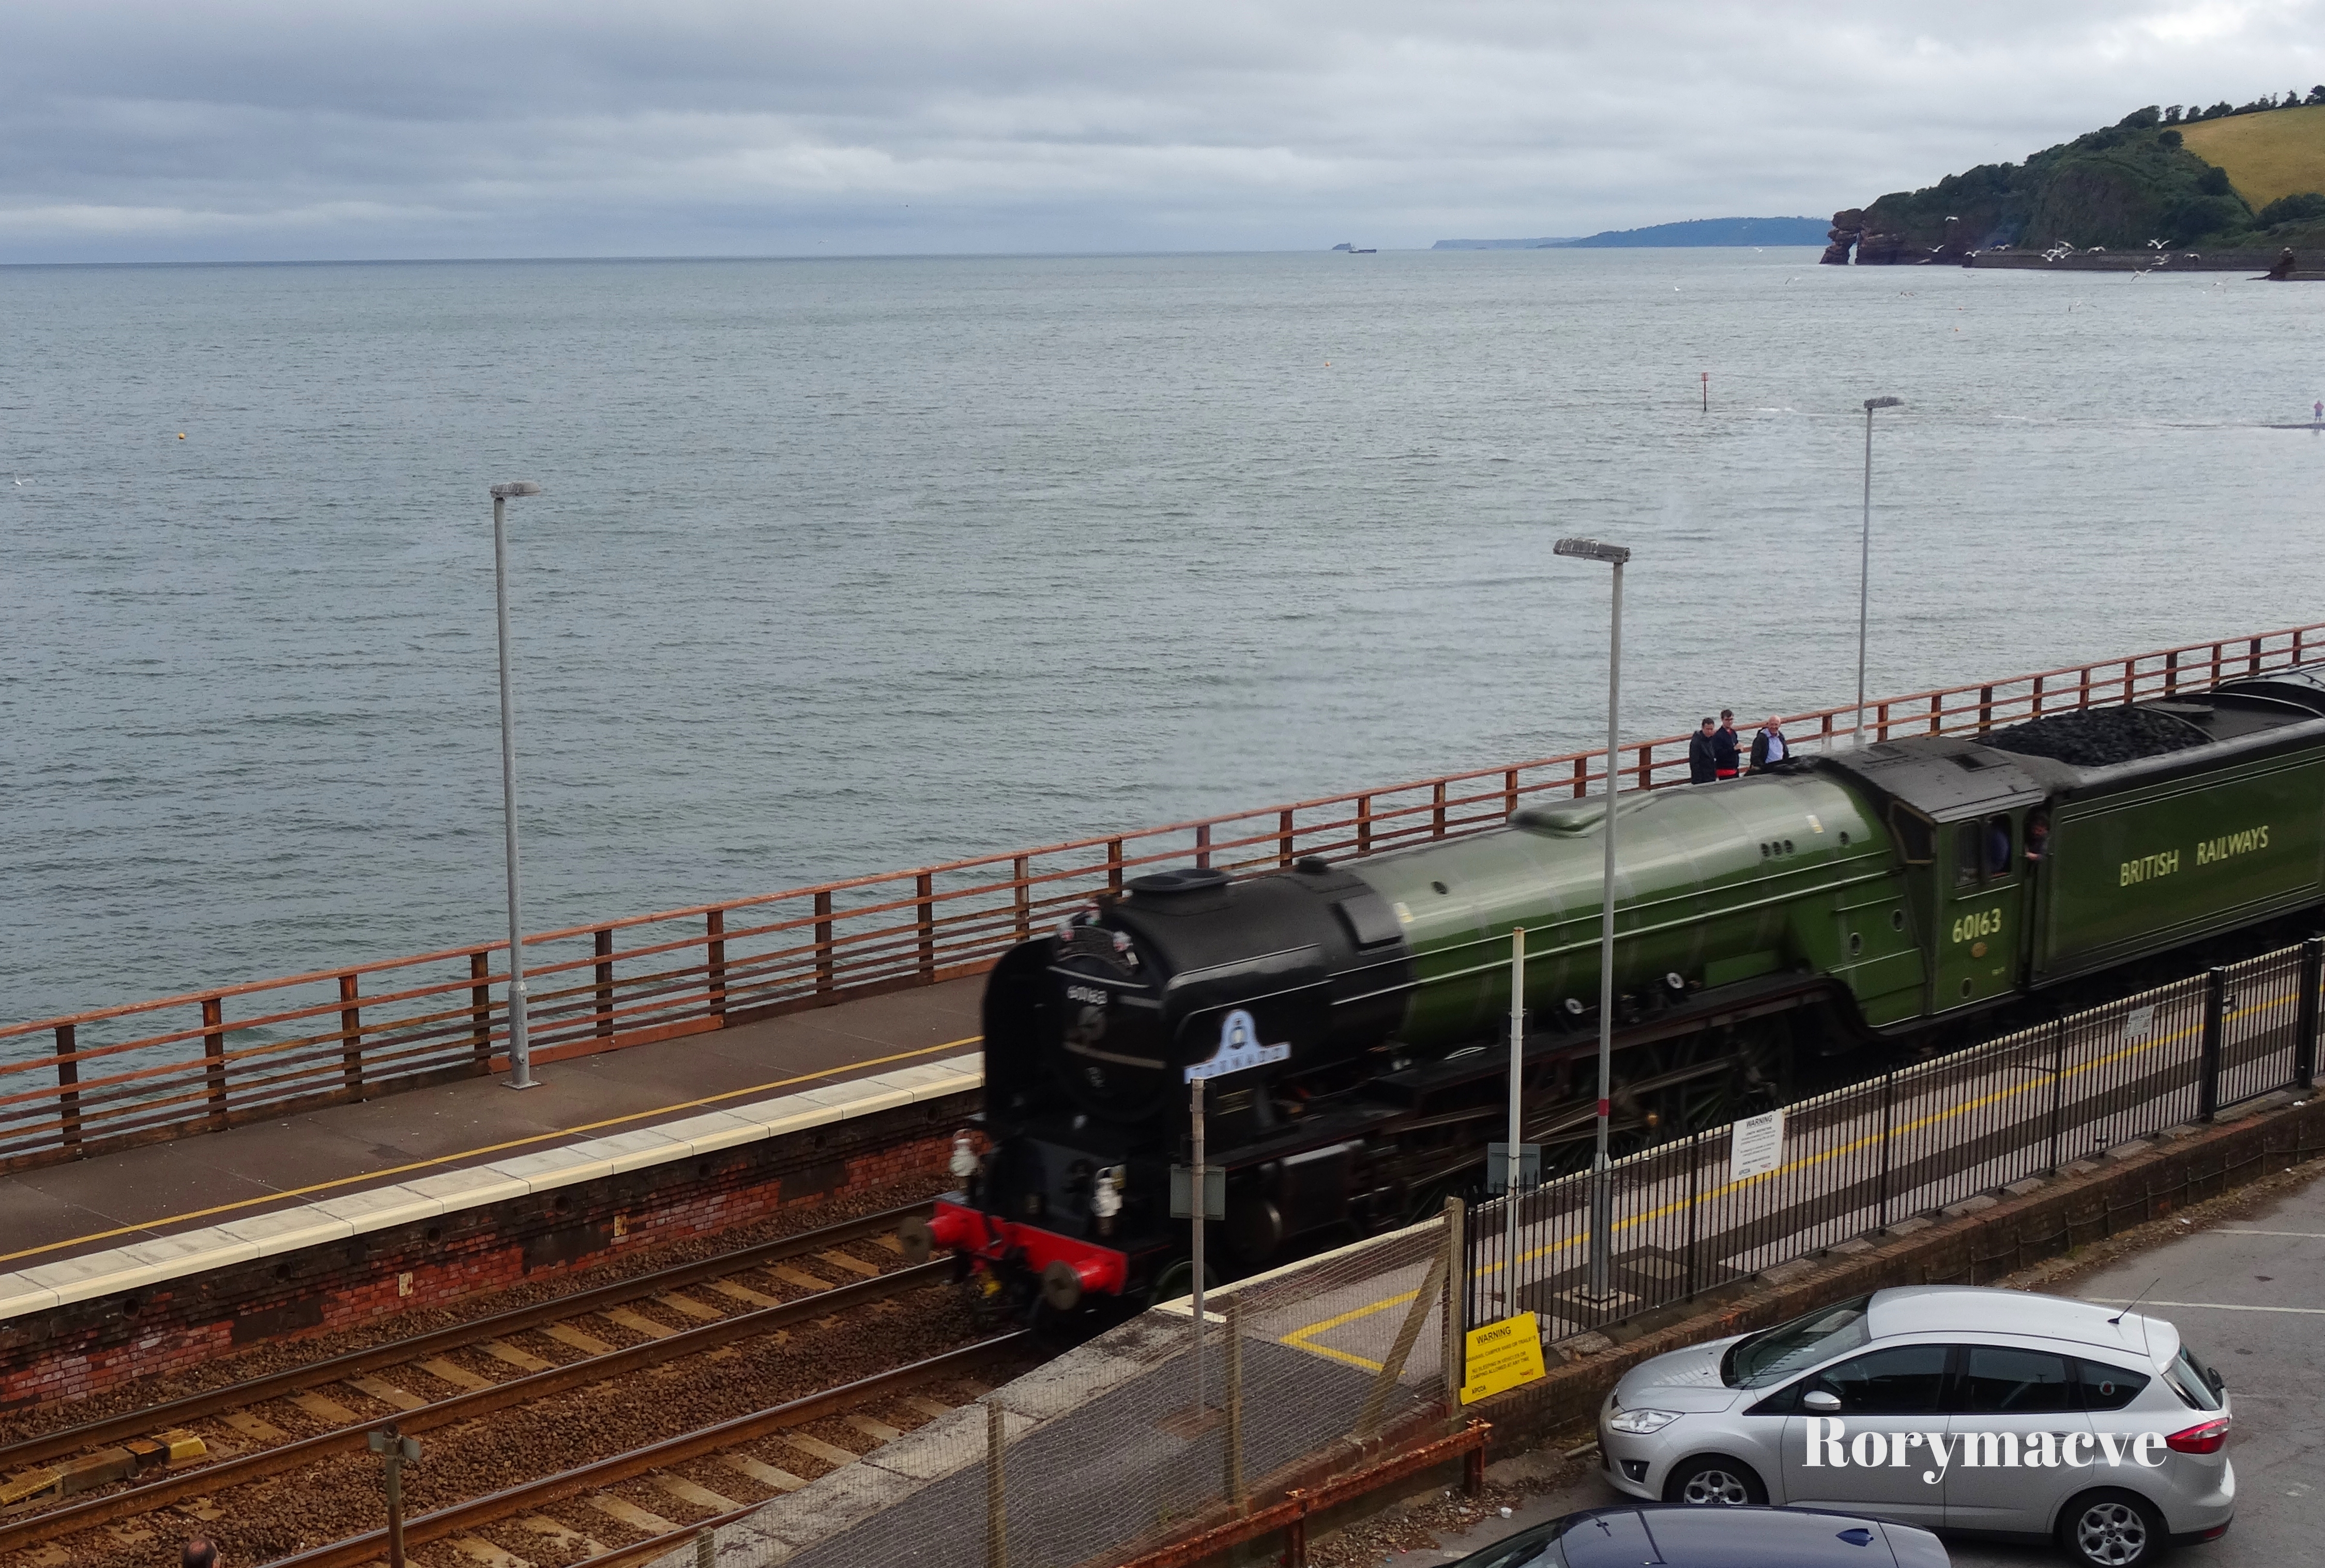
(2112, 1529)
(1714, 1480)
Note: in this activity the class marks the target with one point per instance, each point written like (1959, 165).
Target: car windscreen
(1772, 1355)
(1534, 1548)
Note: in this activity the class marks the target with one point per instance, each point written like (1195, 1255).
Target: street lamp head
(515, 488)
(1873, 403)
(1592, 550)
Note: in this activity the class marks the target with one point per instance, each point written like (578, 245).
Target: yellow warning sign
(1501, 1355)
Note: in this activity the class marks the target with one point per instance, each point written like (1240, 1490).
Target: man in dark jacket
(1702, 760)
(1723, 746)
(1769, 746)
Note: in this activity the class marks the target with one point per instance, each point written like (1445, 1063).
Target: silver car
(1996, 1412)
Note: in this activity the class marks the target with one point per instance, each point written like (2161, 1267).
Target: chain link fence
(1106, 1451)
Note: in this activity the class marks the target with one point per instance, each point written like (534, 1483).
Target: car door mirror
(1817, 1399)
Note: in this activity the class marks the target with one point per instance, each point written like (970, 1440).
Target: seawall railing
(114, 1077)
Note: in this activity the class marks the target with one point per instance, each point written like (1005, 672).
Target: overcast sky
(243, 129)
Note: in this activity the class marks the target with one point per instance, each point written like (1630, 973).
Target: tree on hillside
(2317, 94)
(2302, 206)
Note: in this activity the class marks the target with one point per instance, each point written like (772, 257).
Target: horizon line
(1432, 249)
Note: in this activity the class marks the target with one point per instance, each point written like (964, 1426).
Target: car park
(2002, 1413)
(1679, 1537)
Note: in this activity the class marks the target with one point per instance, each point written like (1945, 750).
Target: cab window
(1982, 851)
(2000, 1382)
(1902, 1380)
(1998, 862)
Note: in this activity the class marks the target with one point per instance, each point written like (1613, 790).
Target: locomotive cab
(1959, 813)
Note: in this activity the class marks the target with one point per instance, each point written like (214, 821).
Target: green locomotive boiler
(1350, 1015)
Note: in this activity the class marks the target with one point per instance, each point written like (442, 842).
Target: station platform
(605, 1111)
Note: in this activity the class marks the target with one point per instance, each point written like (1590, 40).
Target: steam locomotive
(1351, 1017)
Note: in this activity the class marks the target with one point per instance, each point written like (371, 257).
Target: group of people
(1712, 754)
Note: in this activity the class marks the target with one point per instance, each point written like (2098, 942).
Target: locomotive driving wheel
(1177, 1279)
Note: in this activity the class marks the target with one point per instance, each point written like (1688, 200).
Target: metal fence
(1315, 1371)
(1861, 1159)
(1105, 1454)
(212, 1059)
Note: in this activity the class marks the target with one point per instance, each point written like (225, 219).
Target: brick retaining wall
(86, 1347)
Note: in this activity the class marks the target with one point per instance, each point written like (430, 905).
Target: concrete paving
(62, 1212)
(2250, 1298)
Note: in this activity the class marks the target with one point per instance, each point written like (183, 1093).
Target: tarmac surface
(61, 1211)
(2248, 1296)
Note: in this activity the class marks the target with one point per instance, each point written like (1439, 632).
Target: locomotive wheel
(1178, 1279)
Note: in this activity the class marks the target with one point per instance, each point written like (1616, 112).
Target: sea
(840, 566)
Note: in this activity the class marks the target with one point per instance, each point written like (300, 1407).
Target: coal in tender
(2096, 737)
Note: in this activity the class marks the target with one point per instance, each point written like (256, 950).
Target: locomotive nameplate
(1239, 1048)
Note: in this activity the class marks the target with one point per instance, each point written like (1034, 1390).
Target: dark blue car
(1683, 1537)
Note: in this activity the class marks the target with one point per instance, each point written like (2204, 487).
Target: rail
(179, 1486)
(209, 1060)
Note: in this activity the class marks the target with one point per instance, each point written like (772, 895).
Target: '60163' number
(1984, 923)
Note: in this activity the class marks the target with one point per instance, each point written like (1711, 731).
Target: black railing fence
(1863, 1159)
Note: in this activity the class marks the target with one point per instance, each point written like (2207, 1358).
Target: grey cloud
(141, 131)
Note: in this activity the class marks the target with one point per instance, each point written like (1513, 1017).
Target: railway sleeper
(125, 1461)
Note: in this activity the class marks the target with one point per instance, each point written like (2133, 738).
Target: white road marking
(2218, 1306)
(2304, 1235)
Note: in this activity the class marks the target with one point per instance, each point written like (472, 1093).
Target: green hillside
(2139, 181)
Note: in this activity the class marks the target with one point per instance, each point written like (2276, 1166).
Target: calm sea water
(848, 565)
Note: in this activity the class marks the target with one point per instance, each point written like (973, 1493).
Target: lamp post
(520, 1050)
(1864, 562)
(1601, 1196)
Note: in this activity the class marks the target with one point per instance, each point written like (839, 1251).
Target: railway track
(455, 1526)
(681, 1347)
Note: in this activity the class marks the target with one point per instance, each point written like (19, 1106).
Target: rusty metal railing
(207, 1060)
